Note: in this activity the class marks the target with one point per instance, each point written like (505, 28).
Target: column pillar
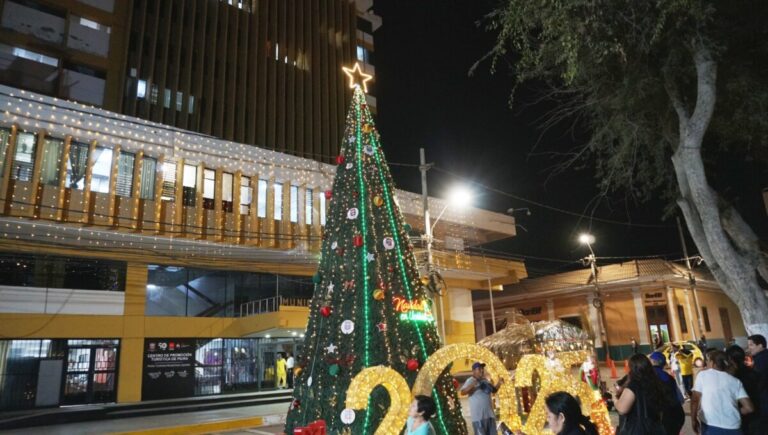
(673, 318)
(642, 322)
(691, 321)
(551, 309)
(594, 321)
(132, 341)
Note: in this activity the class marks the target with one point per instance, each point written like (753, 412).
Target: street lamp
(589, 239)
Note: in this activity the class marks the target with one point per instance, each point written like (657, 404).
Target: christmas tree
(369, 306)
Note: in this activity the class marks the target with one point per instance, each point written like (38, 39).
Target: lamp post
(458, 197)
(589, 239)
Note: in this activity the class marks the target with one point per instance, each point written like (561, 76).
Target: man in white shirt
(289, 368)
(718, 399)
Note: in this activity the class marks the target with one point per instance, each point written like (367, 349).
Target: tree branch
(745, 239)
(706, 77)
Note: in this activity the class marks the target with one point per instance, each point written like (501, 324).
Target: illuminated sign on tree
(415, 310)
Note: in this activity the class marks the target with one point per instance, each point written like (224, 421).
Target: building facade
(648, 300)
(130, 250)
(259, 72)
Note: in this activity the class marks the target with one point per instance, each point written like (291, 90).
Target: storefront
(185, 367)
(45, 373)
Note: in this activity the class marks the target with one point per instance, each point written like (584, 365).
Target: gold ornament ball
(378, 294)
(378, 201)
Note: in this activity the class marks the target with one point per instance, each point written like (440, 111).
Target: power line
(546, 206)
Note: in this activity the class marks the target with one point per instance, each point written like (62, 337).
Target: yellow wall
(621, 320)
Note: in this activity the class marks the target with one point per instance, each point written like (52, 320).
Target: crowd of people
(727, 396)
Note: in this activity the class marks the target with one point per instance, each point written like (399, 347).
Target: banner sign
(169, 368)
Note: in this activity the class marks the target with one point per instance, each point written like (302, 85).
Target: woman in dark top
(641, 400)
(564, 416)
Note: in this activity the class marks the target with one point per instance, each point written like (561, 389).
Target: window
(705, 315)
(124, 185)
(191, 104)
(52, 150)
(46, 271)
(322, 208)
(278, 212)
(5, 134)
(34, 19)
(245, 195)
(308, 207)
(227, 181)
(362, 54)
(209, 188)
(76, 164)
(189, 183)
(141, 89)
(294, 205)
(24, 159)
(179, 101)
(681, 316)
(169, 181)
(261, 206)
(148, 171)
(88, 36)
(167, 98)
(102, 170)
(153, 94)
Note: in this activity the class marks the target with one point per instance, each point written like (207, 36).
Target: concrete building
(258, 72)
(642, 299)
(125, 244)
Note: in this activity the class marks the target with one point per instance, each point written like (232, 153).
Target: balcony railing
(270, 305)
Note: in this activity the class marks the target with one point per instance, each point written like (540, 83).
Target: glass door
(91, 375)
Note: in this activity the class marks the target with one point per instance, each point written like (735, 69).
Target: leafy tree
(664, 88)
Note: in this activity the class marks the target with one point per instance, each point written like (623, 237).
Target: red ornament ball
(412, 365)
(340, 159)
(296, 403)
(325, 311)
(357, 239)
(455, 383)
(327, 194)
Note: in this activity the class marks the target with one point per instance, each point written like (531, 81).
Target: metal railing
(270, 305)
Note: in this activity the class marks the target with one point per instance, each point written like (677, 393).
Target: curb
(200, 428)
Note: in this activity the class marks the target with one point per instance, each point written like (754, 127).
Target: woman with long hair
(641, 400)
(718, 399)
(564, 416)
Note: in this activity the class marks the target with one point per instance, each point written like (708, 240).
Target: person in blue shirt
(673, 416)
(421, 410)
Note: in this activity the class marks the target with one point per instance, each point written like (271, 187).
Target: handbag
(639, 422)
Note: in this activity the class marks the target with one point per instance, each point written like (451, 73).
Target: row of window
(47, 271)
(52, 25)
(141, 93)
(684, 324)
(77, 165)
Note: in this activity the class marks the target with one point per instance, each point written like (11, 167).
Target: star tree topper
(357, 77)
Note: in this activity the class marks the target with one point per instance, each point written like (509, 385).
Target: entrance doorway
(658, 324)
(91, 372)
(726, 321)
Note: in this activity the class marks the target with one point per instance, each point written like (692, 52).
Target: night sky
(426, 98)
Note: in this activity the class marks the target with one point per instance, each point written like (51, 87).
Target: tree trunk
(724, 240)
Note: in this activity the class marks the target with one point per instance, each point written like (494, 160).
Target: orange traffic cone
(614, 375)
(626, 366)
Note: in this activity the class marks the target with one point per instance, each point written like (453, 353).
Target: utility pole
(424, 167)
(691, 279)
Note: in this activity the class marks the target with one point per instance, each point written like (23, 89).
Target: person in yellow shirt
(280, 371)
(685, 359)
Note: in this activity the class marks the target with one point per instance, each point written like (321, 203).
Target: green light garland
(406, 283)
(364, 252)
